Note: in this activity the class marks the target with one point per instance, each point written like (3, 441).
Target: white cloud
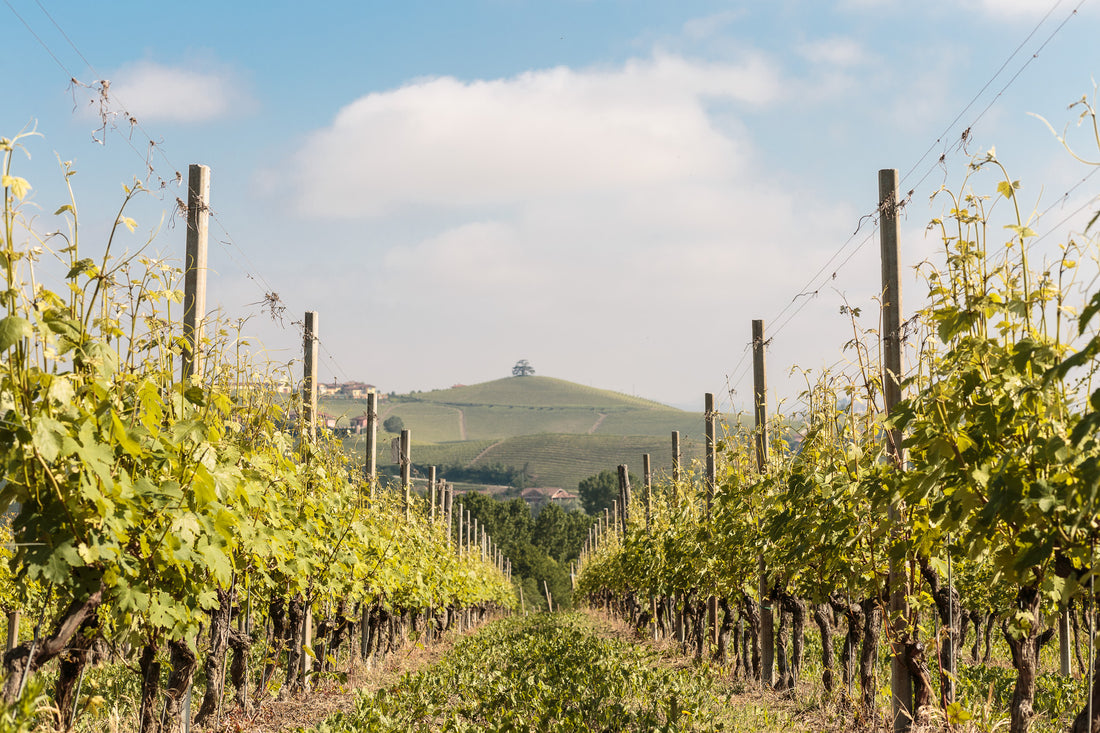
(442, 142)
(156, 93)
(588, 217)
(842, 52)
(710, 25)
(1014, 9)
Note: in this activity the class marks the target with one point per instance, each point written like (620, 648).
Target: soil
(330, 695)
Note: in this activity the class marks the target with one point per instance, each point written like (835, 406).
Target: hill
(559, 431)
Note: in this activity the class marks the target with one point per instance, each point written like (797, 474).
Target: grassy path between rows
(557, 672)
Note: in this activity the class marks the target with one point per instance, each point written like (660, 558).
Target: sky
(610, 189)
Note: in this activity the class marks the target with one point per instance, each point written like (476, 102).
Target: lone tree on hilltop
(393, 424)
(523, 368)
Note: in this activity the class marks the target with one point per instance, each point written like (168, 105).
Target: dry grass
(330, 695)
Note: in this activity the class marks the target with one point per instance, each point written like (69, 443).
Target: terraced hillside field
(563, 432)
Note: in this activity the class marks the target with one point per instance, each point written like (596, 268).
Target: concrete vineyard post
(195, 268)
(406, 469)
(760, 410)
(901, 684)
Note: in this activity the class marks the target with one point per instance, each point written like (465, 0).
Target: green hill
(560, 431)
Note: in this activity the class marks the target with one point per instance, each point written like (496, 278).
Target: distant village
(347, 390)
(341, 426)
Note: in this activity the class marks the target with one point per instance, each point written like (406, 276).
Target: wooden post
(647, 478)
(901, 685)
(431, 491)
(708, 402)
(307, 643)
(364, 631)
(458, 534)
(675, 457)
(406, 469)
(372, 440)
(309, 377)
(13, 630)
(760, 409)
(712, 482)
(549, 598)
(195, 268)
(624, 496)
(1063, 642)
(448, 502)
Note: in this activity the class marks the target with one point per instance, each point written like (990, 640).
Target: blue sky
(612, 190)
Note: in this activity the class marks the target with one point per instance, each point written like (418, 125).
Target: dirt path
(329, 695)
(461, 423)
(599, 421)
(481, 455)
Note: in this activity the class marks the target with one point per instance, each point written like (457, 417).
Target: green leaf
(12, 330)
(204, 486)
(49, 438)
(127, 222)
(122, 437)
(81, 266)
(1022, 231)
(19, 186)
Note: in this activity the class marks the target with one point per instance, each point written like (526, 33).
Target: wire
(40, 41)
(810, 291)
(981, 91)
(249, 268)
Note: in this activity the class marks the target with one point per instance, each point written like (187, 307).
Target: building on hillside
(537, 498)
(358, 424)
(355, 390)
